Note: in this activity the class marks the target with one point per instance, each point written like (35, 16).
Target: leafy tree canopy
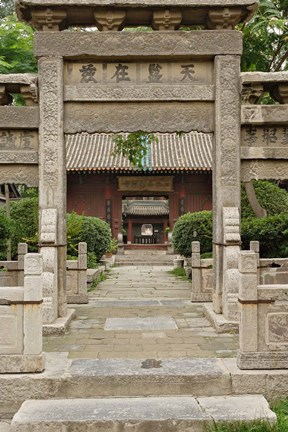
(266, 38)
(7, 7)
(16, 46)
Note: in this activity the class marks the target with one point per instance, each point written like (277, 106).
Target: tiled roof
(146, 208)
(170, 152)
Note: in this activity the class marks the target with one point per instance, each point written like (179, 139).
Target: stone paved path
(158, 318)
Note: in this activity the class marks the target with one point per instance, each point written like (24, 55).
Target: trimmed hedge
(272, 198)
(271, 232)
(24, 228)
(193, 227)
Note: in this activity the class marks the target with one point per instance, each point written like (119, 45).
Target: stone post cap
(22, 248)
(255, 246)
(82, 248)
(195, 246)
(248, 262)
(33, 264)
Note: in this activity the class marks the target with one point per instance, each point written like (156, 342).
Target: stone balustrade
(255, 84)
(13, 271)
(263, 334)
(24, 84)
(76, 277)
(21, 321)
(202, 274)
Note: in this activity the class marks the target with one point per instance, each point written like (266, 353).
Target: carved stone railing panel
(202, 275)
(21, 321)
(263, 324)
(77, 277)
(255, 84)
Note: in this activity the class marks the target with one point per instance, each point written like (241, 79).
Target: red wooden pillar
(165, 224)
(129, 233)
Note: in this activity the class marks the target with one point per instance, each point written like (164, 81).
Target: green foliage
(24, 223)
(272, 198)
(266, 38)
(134, 146)
(113, 246)
(193, 227)
(16, 42)
(179, 272)
(94, 231)
(102, 277)
(271, 232)
(7, 7)
(5, 231)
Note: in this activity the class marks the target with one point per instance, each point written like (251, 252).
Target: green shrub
(271, 232)
(94, 231)
(5, 231)
(272, 198)
(193, 227)
(24, 223)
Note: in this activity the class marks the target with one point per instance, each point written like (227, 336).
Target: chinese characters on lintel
(266, 135)
(121, 73)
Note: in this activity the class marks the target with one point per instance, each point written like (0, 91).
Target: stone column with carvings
(226, 160)
(52, 164)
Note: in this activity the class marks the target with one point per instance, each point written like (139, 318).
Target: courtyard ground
(142, 312)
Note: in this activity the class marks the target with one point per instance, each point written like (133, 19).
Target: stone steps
(160, 414)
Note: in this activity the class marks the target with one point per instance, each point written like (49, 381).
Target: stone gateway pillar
(226, 170)
(52, 183)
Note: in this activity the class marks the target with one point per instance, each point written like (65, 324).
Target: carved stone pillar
(52, 165)
(226, 160)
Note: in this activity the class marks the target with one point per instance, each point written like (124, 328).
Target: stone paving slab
(159, 414)
(149, 323)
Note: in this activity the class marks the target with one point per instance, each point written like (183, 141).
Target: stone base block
(21, 363)
(201, 297)
(60, 325)
(219, 322)
(77, 298)
(262, 360)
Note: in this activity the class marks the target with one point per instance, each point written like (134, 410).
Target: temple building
(142, 203)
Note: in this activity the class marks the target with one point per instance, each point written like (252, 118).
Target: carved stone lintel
(220, 19)
(280, 93)
(110, 20)
(30, 94)
(167, 19)
(251, 93)
(48, 19)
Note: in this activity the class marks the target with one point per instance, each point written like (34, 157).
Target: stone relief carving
(157, 117)
(260, 114)
(263, 169)
(17, 157)
(118, 44)
(19, 117)
(277, 328)
(20, 174)
(141, 93)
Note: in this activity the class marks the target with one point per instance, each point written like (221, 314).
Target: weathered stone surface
(140, 93)
(226, 162)
(60, 325)
(262, 360)
(132, 414)
(22, 363)
(263, 77)
(52, 165)
(263, 170)
(261, 114)
(18, 79)
(264, 153)
(149, 323)
(19, 117)
(219, 322)
(126, 45)
(19, 146)
(237, 408)
(156, 117)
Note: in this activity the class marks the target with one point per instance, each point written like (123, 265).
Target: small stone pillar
(82, 272)
(21, 321)
(120, 250)
(22, 250)
(248, 307)
(196, 270)
(170, 249)
(255, 247)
